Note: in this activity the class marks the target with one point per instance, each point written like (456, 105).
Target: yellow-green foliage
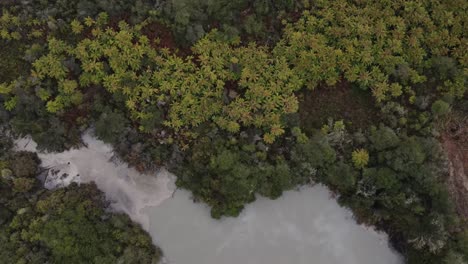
(385, 46)
(360, 158)
(76, 26)
(366, 41)
(125, 63)
(13, 27)
(337, 127)
(5, 90)
(9, 25)
(267, 85)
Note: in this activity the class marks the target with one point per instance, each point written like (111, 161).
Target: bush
(440, 108)
(110, 126)
(23, 184)
(360, 158)
(24, 164)
(341, 176)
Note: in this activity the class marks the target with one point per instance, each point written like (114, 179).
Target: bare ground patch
(340, 102)
(455, 143)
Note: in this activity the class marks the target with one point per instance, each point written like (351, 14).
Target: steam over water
(305, 226)
(128, 190)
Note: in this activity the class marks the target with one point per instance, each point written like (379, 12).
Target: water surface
(301, 227)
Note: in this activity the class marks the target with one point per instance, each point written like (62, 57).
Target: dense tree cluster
(160, 88)
(223, 114)
(385, 46)
(189, 20)
(69, 225)
(227, 174)
(400, 188)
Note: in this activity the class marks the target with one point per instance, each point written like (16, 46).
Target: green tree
(342, 176)
(440, 108)
(360, 158)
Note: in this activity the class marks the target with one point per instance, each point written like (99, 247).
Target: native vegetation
(69, 225)
(221, 92)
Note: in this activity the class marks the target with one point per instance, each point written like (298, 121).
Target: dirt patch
(340, 102)
(455, 143)
(12, 65)
(161, 33)
(161, 36)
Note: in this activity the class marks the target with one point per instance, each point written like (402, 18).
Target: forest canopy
(232, 97)
(68, 225)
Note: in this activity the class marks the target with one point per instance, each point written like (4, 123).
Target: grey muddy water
(304, 226)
